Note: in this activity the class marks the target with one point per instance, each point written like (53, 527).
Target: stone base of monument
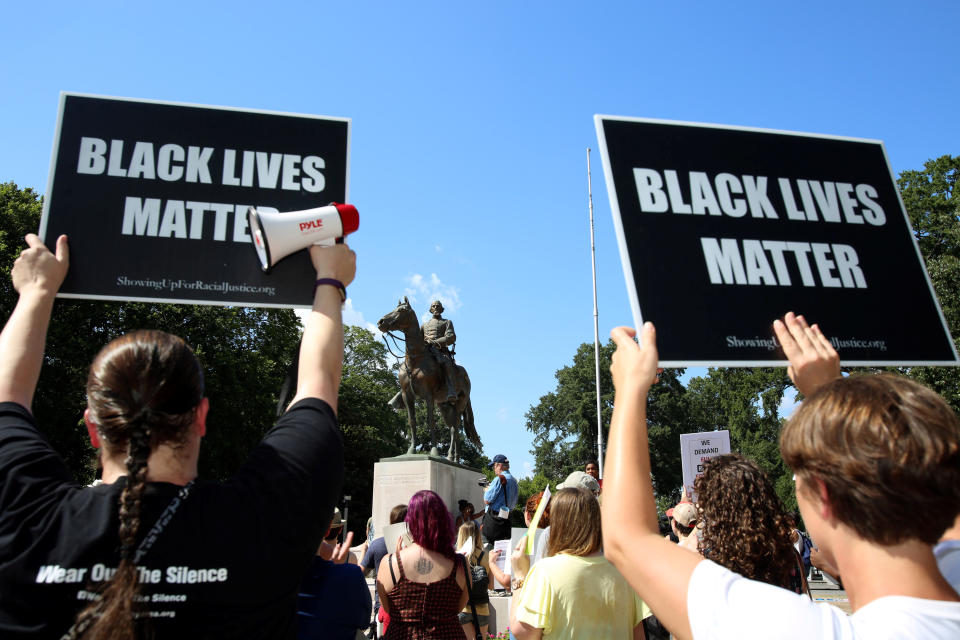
(395, 480)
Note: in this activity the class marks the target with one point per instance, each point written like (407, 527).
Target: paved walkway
(826, 591)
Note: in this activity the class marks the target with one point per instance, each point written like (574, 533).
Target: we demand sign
(723, 229)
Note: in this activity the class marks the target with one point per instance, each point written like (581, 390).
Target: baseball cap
(581, 480)
(685, 514)
(337, 520)
(498, 458)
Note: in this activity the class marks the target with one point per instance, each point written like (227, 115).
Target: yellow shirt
(577, 598)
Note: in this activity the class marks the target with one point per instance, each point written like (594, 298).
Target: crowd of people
(153, 551)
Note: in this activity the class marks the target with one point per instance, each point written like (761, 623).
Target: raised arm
(321, 349)
(37, 275)
(658, 570)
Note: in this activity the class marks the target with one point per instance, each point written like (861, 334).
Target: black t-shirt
(227, 564)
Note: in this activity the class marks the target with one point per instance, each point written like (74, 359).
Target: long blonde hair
(467, 530)
(574, 523)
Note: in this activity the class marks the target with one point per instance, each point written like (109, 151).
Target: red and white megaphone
(277, 235)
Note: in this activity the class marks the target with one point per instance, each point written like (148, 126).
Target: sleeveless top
(424, 611)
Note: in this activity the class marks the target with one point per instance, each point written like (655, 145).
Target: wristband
(333, 283)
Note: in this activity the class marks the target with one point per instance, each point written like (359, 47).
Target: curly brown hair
(744, 526)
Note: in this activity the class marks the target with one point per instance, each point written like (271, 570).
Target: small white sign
(697, 448)
(503, 560)
(397, 536)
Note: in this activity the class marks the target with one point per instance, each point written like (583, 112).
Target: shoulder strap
(498, 486)
(390, 564)
(476, 621)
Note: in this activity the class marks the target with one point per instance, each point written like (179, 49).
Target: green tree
(934, 213)
(564, 421)
(526, 488)
(371, 429)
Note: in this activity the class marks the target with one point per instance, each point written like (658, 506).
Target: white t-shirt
(722, 605)
(947, 554)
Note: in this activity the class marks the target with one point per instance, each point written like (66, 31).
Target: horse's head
(398, 319)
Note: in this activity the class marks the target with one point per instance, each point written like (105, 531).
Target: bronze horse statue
(422, 376)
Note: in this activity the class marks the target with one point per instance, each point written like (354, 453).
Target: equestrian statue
(430, 373)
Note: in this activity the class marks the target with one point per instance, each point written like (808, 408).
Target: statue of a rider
(438, 334)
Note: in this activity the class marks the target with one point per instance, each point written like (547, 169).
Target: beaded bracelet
(333, 283)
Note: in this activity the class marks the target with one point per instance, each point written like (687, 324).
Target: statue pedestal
(395, 480)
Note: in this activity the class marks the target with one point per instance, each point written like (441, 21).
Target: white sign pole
(596, 320)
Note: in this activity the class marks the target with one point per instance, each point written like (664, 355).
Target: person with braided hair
(153, 551)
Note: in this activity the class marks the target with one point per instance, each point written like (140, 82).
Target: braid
(136, 461)
(112, 616)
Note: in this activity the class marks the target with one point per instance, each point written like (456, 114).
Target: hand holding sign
(813, 360)
(634, 366)
(39, 270)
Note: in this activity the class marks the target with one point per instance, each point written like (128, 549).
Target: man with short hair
(684, 524)
(593, 468)
(500, 498)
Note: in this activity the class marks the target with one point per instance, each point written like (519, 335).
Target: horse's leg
(452, 452)
(432, 426)
(409, 400)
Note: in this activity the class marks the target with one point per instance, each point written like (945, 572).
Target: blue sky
(471, 123)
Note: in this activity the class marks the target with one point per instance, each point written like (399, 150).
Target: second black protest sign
(723, 229)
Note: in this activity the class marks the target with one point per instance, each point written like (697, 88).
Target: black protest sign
(154, 198)
(722, 230)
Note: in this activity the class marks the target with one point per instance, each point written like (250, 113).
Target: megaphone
(277, 235)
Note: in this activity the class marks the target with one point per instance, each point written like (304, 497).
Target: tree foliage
(564, 422)
(934, 213)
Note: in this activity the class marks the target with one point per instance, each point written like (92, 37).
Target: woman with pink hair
(424, 585)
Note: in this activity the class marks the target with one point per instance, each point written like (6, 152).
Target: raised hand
(39, 270)
(634, 366)
(338, 261)
(813, 360)
(341, 551)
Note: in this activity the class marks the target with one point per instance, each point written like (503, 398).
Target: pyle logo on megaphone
(311, 226)
(277, 235)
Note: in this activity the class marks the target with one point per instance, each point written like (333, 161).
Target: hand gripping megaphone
(277, 235)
